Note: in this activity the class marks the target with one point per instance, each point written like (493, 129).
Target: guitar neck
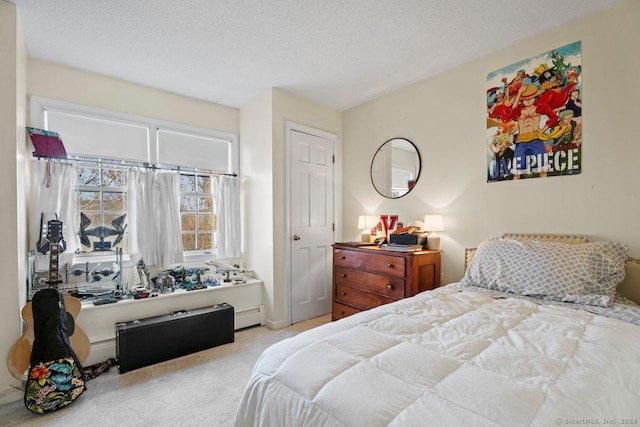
(54, 278)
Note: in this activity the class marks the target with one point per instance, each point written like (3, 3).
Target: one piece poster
(534, 116)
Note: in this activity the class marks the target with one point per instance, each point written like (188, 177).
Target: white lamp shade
(433, 223)
(367, 222)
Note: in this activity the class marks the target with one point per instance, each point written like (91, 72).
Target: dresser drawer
(359, 299)
(373, 263)
(340, 310)
(381, 285)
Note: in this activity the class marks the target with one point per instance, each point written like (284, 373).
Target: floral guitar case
(55, 376)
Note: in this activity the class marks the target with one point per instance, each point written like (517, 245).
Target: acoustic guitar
(20, 354)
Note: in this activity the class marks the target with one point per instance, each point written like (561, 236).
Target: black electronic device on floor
(155, 339)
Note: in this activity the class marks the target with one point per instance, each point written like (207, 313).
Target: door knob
(296, 236)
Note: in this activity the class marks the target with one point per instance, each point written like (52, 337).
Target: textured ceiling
(337, 52)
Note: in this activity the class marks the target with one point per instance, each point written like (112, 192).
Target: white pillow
(586, 273)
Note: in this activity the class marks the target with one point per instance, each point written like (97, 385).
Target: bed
(537, 333)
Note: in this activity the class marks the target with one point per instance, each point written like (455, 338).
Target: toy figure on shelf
(102, 232)
(165, 283)
(143, 273)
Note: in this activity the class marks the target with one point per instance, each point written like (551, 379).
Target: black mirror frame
(417, 175)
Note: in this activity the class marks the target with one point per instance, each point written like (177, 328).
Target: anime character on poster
(523, 117)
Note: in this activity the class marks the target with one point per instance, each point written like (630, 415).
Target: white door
(311, 223)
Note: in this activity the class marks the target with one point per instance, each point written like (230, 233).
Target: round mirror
(395, 168)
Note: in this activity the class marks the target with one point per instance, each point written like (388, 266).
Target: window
(196, 213)
(107, 143)
(101, 198)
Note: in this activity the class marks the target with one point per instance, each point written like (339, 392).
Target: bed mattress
(451, 357)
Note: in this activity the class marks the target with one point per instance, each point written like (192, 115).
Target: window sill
(87, 304)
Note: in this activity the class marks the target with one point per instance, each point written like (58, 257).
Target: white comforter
(451, 358)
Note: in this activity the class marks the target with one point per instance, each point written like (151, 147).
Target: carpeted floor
(202, 389)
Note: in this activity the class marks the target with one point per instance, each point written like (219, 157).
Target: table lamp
(433, 224)
(366, 223)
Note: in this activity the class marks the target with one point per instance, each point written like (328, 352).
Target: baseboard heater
(155, 339)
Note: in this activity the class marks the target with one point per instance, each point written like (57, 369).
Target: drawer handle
(342, 257)
(343, 275)
(389, 286)
(344, 294)
(390, 265)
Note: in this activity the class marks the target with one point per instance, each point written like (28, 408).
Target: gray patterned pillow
(586, 273)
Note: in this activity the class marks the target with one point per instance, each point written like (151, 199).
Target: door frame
(337, 207)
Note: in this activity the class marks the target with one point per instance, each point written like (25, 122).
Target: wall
(264, 146)
(12, 184)
(51, 80)
(445, 117)
(257, 192)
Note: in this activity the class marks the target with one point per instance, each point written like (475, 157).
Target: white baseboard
(276, 325)
(250, 317)
(101, 351)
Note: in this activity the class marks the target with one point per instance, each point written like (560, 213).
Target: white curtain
(227, 196)
(154, 217)
(52, 193)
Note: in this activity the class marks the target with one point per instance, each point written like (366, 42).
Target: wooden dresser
(365, 277)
